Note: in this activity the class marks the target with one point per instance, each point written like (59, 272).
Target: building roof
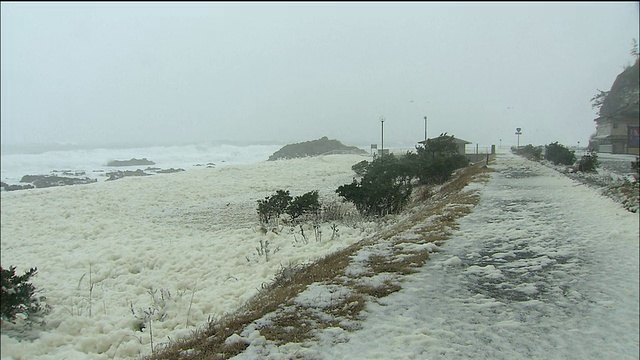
(455, 140)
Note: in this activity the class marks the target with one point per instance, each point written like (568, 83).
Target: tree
(588, 162)
(18, 295)
(635, 51)
(437, 159)
(384, 188)
(559, 154)
(443, 145)
(529, 151)
(361, 168)
(386, 183)
(306, 203)
(273, 206)
(599, 99)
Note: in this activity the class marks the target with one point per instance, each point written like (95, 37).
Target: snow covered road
(543, 268)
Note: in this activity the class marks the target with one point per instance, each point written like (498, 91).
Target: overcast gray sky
(190, 72)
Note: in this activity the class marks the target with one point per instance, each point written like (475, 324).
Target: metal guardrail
(343, 152)
(477, 149)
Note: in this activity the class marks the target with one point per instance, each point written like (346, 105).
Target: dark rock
(74, 173)
(6, 187)
(131, 162)
(45, 181)
(115, 175)
(168, 171)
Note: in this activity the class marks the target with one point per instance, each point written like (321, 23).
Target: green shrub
(386, 183)
(529, 151)
(361, 168)
(307, 203)
(588, 162)
(18, 296)
(384, 189)
(435, 162)
(440, 170)
(283, 203)
(559, 154)
(273, 206)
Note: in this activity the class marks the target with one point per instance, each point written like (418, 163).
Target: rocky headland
(315, 148)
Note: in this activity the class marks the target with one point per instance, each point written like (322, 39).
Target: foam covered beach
(183, 243)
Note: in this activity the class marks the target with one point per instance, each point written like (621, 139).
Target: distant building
(461, 144)
(619, 132)
(618, 125)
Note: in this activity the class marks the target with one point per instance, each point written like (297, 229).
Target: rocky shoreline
(78, 178)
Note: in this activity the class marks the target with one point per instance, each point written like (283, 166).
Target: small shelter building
(461, 144)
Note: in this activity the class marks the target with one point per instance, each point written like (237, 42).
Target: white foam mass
(180, 246)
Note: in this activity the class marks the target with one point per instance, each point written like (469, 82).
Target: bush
(588, 162)
(361, 168)
(282, 203)
(273, 206)
(529, 151)
(307, 203)
(18, 296)
(384, 189)
(386, 183)
(559, 154)
(435, 162)
(440, 170)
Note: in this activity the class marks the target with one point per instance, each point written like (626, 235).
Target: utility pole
(425, 131)
(382, 129)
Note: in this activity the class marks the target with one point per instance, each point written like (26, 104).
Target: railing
(342, 152)
(477, 149)
(476, 153)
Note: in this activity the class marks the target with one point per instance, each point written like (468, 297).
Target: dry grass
(386, 289)
(431, 216)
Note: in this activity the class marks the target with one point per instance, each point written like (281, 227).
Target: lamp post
(425, 131)
(382, 142)
(382, 132)
(518, 132)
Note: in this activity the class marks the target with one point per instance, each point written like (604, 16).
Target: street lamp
(382, 129)
(425, 131)
(518, 132)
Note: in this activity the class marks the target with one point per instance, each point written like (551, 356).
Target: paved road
(544, 268)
